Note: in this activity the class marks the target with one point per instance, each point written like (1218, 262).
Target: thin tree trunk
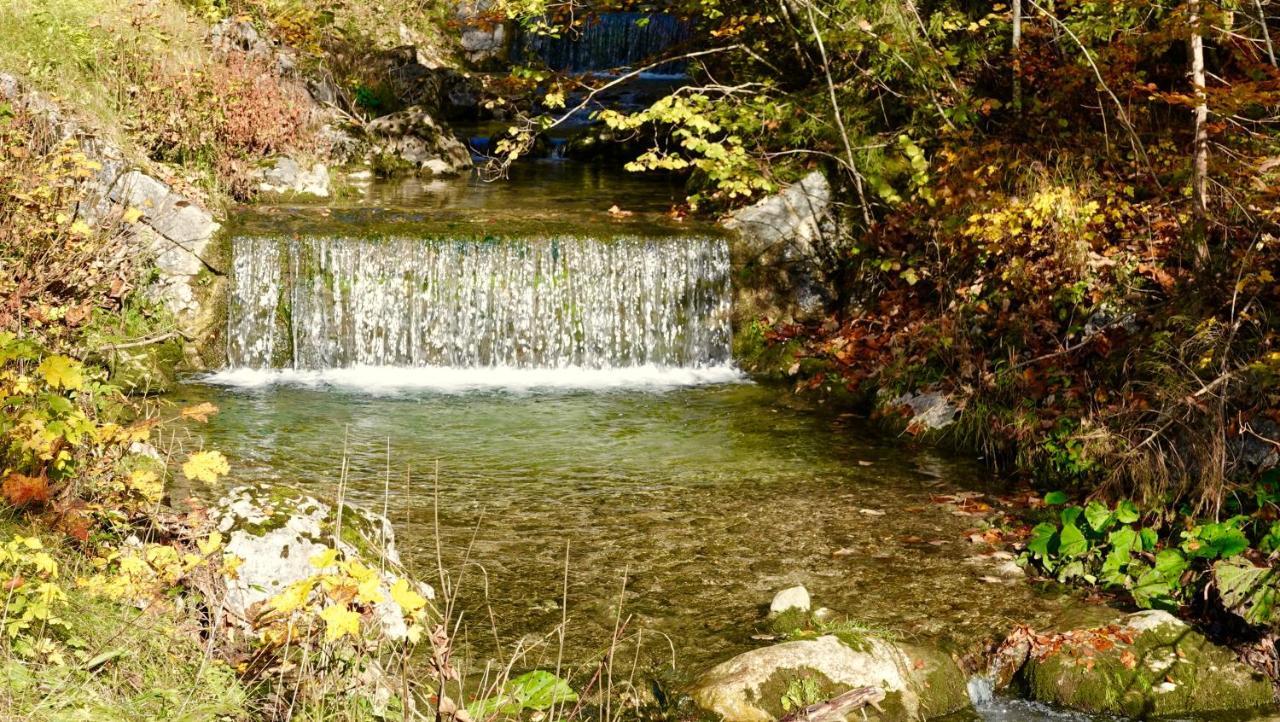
(1017, 56)
(1200, 180)
(1266, 34)
(839, 117)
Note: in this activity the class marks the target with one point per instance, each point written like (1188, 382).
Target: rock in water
(412, 137)
(1150, 664)
(767, 684)
(277, 530)
(286, 176)
(796, 597)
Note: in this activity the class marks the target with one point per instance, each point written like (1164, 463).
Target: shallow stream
(641, 480)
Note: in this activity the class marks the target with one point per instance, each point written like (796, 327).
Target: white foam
(454, 380)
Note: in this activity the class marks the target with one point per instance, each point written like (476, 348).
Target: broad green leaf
(1070, 515)
(1127, 512)
(1071, 542)
(1054, 498)
(1122, 541)
(1099, 517)
(1170, 564)
(1149, 539)
(1041, 541)
(1246, 590)
(535, 691)
(1151, 591)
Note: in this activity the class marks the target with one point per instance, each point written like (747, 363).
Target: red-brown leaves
(24, 491)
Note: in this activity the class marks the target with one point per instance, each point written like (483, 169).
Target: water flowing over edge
(455, 380)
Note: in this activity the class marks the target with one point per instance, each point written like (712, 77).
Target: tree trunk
(1200, 161)
(1266, 33)
(1017, 56)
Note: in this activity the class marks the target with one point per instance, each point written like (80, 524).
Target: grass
(129, 664)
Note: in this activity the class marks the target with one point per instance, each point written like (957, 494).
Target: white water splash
(447, 380)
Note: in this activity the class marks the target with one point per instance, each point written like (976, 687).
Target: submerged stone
(1150, 664)
(767, 684)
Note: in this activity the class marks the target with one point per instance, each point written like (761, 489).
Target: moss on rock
(768, 683)
(1167, 669)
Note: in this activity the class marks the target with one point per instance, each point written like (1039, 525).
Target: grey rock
(276, 531)
(286, 175)
(930, 410)
(787, 247)
(415, 138)
(796, 597)
(751, 687)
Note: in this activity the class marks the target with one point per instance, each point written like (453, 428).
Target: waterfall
(608, 41)
(316, 303)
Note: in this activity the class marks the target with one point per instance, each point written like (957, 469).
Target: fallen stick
(838, 707)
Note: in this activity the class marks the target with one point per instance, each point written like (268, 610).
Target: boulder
(766, 684)
(413, 139)
(929, 411)
(277, 530)
(1148, 664)
(786, 247)
(287, 176)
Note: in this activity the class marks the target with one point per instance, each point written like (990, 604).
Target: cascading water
(609, 41)
(598, 309)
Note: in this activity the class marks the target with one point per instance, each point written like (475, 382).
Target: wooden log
(839, 707)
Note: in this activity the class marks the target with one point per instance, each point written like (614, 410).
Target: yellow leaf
(80, 228)
(339, 622)
(368, 592)
(61, 372)
(293, 598)
(409, 600)
(131, 216)
(324, 559)
(212, 544)
(147, 484)
(230, 564)
(200, 412)
(206, 466)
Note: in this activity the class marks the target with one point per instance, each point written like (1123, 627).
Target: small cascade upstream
(610, 41)
(401, 305)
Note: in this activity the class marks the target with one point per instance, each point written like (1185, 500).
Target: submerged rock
(413, 138)
(766, 684)
(1149, 664)
(277, 530)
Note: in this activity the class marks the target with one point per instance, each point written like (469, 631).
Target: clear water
(676, 496)
(708, 499)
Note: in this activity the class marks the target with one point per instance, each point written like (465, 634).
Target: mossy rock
(145, 369)
(767, 684)
(276, 530)
(1168, 669)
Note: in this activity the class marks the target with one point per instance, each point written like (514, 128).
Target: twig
(838, 707)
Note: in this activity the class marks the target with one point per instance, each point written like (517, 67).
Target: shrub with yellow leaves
(29, 578)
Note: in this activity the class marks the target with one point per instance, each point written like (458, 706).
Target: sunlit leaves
(206, 466)
(61, 372)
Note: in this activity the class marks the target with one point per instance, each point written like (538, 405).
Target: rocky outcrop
(1148, 664)
(766, 684)
(785, 250)
(173, 230)
(276, 531)
(485, 40)
(413, 140)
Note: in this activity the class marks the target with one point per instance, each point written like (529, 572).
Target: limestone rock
(414, 138)
(278, 530)
(787, 247)
(796, 597)
(1168, 669)
(287, 175)
(930, 411)
(765, 684)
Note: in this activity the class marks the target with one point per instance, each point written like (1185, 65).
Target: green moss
(122, 341)
(1172, 670)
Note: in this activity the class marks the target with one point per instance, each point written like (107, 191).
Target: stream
(552, 416)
